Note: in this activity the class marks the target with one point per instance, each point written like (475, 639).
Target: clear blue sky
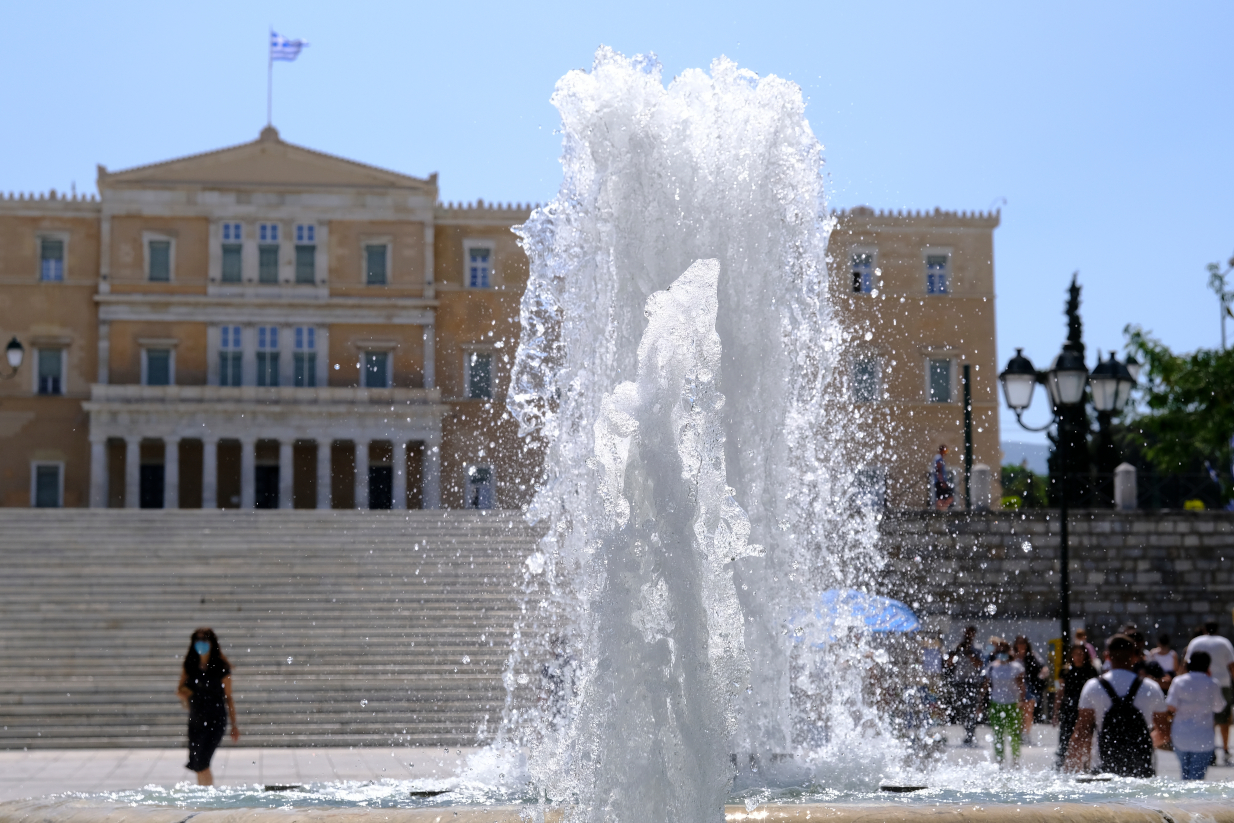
(1106, 127)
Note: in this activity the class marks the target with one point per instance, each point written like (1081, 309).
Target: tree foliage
(1188, 410)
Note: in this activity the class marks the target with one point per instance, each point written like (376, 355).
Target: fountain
(701, 488)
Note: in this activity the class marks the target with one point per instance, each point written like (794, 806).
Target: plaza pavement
(25, 774)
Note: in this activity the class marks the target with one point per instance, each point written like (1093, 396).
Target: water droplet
(869, 336)
(363, 703)
(466, 659)
(991, 609)
(1026, 546)
(289, 660)
(522, 679)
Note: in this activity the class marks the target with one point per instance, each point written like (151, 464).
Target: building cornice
(904, 218)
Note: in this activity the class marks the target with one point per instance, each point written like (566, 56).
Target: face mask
(202, 646)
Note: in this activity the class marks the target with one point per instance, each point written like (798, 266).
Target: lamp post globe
(1018, 379)
(1067, 377)
(1111, 382)
(1133, 368)
(15, 353)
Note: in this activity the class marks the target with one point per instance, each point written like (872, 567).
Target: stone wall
(1163, 571)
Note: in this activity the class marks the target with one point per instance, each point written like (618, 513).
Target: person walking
(1034, 683)
(1121, 709)
(1164, 656)
(966, 669)
(944, 493)
(1075, 675)
(205, 690)
(1221, 664)
(1006, 678)
(1193, 701)
(1094, 659)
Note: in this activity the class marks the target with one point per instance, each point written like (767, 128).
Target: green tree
(1188, 411)
(1032, 489)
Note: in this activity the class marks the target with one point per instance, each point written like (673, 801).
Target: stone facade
(916, 292)
(265, 326)
(1166, 571)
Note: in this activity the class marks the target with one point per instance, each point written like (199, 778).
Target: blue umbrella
(837, 609)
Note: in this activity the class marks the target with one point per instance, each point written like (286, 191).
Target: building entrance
(151, 493)
(381, 487)
(266, 487)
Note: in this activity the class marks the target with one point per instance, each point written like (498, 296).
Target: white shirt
(1194, 697)
(1149, 699)
(1003, 686)
(1221, 652)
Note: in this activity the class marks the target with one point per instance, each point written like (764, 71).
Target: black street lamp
(15, 353)
(1111, 383)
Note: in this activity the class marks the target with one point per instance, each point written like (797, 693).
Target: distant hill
(1015, 453)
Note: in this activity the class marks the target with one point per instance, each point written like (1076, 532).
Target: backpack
(1125, 743)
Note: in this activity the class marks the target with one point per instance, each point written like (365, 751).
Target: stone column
(98, 473)
(399, 486)
(248, 472)
(430, 356)
(286, 473)
(432, 473)
(1125, 487)
(324, 473)
(979, 492)
(171, 473)
(209, 473)
(132, 472)
(362, 445)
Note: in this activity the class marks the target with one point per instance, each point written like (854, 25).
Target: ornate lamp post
(1110, 383)
(14, 352)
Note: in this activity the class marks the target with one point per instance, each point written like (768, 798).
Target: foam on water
(684, 423)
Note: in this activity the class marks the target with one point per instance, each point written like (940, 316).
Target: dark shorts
(1222, 718)
(205, 734)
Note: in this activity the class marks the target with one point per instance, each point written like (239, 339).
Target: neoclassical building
(260, 326)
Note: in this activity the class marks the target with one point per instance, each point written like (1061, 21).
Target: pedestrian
(1193, 701)
(967, 672)
(1006, 678)
(944, 493)
(1081, 637)
(205, 690)
(1034, 683)
(1075, 675)
(1221, 658)
(1164, 656)
(1127, 713)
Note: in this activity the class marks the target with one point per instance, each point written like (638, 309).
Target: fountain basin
(77, 810)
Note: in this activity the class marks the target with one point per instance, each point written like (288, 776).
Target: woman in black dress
(205, 690)
(1067, 706)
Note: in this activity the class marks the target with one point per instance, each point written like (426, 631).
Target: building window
(233, 234)
(158, 259)
(375, 260)
(306, 234)
(306, 264)
(481, 489)
(267, 355)
(230, 356)
(376, 370)
(305, 357)
(268, 263)
(479, 273)
(51, 259)
(268, 232)
(867, 380)
(863, 271)
(47, 485)
(938, 273)
(157, 367)
(940, 381)
(479, 375)
(51, 371)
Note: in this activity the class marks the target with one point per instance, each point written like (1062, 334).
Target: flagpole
(270, 80)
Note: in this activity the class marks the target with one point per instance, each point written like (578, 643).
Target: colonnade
(431, 471)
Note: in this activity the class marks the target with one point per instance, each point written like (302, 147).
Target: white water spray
(677, 439)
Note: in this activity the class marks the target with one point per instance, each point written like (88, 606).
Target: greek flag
(281, 48)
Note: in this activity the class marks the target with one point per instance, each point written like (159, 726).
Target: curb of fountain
(76, 810)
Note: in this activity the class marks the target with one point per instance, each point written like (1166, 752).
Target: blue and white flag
(282, 48)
